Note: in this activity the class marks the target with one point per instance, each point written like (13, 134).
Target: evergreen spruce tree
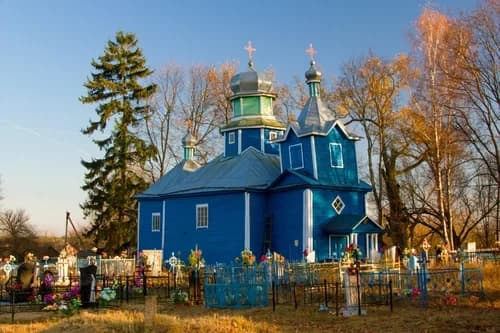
(112, 181)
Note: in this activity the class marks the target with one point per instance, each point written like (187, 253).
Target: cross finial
(188, 123)
(311, 51)
(250, 49)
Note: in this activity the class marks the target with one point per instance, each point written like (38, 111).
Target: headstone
(351, 295)
(26, 273)
(62, 268)
(88, 285)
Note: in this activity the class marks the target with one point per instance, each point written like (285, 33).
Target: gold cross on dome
(311, 51)
(250, 50)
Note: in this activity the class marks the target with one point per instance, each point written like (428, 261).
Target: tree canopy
(112, 181)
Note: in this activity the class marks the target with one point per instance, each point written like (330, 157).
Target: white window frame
(231, 138)
(301, 156)
(156, 222)
(273, 135)
(199, 223)
(343, 204)
(341, 155)
(354, 238)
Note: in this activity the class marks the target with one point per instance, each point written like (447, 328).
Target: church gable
(336, 158)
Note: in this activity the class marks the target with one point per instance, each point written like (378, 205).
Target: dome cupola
(251, 82)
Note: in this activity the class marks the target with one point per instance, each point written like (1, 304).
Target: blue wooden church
(293, 190)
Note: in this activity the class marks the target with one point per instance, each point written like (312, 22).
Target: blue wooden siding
(231, 149)
(147, 238)
(222, 241)
(250, 137)
(258, 213)
(292, 139)
(287, 211)
(353, 201)
(323, 212)
(348, 175)
(271, 148)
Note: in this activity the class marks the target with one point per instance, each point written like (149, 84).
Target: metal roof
(342, 224)
(251, 169)
(314, 118)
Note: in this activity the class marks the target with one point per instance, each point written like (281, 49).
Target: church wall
(323, 212)
(250, 138)
(222, 241)
(147, 238)
(305, 144)
(286, 208)
(348, 174)
(231, 149)
(258, 209)
(271, 148)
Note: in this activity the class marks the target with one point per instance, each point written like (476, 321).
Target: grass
(469, 315)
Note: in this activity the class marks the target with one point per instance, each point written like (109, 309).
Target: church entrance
(337, 245)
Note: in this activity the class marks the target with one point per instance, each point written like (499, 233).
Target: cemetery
(352, 287)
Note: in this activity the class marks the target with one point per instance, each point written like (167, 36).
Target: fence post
(13, 305)
(390, 294)
(294, 297)
(462, 277)
(144, 284)
(359, 291)
(168, 284)
(274, 299)
(337, 298)
(326, 294)
(127, 286)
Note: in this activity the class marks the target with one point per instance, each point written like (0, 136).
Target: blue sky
(46, 48)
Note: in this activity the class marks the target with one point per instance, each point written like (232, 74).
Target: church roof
(251, 169)
(345, 223)
(297, 178)
(255, 122)
(314, 118)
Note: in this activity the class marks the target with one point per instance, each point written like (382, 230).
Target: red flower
(415, 292)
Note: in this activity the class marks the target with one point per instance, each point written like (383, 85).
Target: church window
(273, 135)
(338, 205)
(155, 222)
(336, 159)
(231, 138)
(202, 216)
(296, 156)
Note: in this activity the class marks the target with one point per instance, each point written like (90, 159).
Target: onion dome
(313, 74)
(251, 82)
(188, 140)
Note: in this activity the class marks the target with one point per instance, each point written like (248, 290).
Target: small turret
(189, 144)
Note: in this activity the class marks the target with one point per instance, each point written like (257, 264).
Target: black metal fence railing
(291, 285)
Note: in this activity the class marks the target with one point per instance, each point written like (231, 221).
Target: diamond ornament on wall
(338, 205)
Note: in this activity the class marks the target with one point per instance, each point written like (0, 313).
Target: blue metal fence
(230, 286)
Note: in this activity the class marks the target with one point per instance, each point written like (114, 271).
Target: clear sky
(46, 48)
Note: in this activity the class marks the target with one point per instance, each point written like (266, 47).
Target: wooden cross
(311, 51)
(250, 50)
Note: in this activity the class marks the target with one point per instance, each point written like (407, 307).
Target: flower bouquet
(106, 296)
(247, 257)
(195, 258)
(180, 296)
